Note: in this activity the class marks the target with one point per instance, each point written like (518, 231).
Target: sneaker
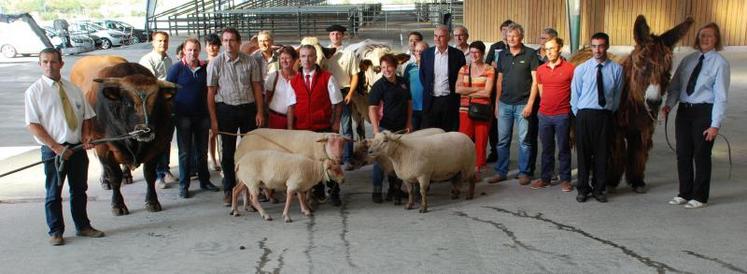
(227, 199)
(677, 200)
(170, 178)
(56, 240)
(496, 179)
(566, 186)
(539, 183)
(90, 232)
(694, 204)
(524, 179)
(162, 183)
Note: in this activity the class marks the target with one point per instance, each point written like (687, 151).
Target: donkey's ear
(672, 36)
(641, 31)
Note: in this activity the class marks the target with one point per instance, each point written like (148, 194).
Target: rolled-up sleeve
(213, 74)
(335, 95)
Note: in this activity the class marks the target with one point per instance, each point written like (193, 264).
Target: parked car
(138, 35)
(105, 38)
(20, 35)
(78, 42)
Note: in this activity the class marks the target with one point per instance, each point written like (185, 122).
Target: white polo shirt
(43, 106)
(441, 73)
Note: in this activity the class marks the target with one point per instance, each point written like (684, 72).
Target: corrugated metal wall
(615, 17)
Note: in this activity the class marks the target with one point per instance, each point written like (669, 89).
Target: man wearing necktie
(59, 118)
(595, 96)
(704, 77)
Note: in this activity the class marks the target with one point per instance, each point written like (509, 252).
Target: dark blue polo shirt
(517, 74)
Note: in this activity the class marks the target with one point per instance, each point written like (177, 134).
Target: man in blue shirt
(595, 96)
(704, 78)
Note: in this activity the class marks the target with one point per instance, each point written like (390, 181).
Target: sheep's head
(334, 145)
(334, 171)
(360, 155)
(381, 143)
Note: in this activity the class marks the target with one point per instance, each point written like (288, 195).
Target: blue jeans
(346, 128)
(507, 116)
(552, 128)
(192, 139)
(76, 171)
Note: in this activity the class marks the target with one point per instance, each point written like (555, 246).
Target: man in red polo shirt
(317, 106)
(554, 83)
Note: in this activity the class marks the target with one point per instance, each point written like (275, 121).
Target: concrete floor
(507, 228)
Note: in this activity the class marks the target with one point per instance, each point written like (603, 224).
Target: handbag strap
(274, 87)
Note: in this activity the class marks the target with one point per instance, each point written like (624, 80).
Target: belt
(277, 113)
(691, 105)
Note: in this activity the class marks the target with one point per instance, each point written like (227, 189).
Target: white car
(106, 38)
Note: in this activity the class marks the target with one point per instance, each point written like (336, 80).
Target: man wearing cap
(344, 67)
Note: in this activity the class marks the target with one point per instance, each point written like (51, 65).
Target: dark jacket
(456, 61)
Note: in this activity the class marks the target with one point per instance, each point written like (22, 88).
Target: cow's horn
(167, 84)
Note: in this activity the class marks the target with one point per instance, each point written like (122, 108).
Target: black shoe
(334, 198)
(184, 193)
(582, 197)
(209, 187)
(492, 157)
(376, 197)
(601, 197)
(639, 189)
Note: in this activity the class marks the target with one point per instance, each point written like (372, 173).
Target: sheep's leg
(472, 180)
(247, 202)
(255, 202)
(286, 217)
(424, 184)
(235, 198)
(308, 200)
(410, 196)
(455, 184)
(302, 200)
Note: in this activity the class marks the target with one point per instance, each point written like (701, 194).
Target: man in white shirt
(266, 57)
(159, 62)
(59, 118)
(461, 36)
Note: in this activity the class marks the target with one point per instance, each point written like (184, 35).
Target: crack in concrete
(516, 242)
(659, 266)
(344, 214)
(281, 262)
(307, 252)
(264, 259)
(715, 260)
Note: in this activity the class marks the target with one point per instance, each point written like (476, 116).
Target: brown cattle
(129, 101)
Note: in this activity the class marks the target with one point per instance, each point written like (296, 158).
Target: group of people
(464, 88)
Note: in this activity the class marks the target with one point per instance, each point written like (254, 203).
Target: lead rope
(728, 144)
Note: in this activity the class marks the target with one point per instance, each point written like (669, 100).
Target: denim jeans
(192, 140)
(551, 129)
(164, 160)
(76, 175)
(231, 119)
(508, 115)
(346, 128)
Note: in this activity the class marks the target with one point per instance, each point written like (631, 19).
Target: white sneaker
(170, 178)
(162, 184)
(677, 200)
(694, 204)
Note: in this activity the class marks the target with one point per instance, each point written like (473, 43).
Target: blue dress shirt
(711, 87)
(584, 86)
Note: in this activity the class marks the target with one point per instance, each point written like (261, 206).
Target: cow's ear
(110, 87)
(167, 89)
(402, 58)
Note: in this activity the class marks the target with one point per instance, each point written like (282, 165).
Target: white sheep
(311, 144)
(441, 157)
(282, 171)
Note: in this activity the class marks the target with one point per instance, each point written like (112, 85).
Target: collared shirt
(467, 56)
(157, 64)
(191, 95)
(335, 95)
(584, 86)
(441, 73)
(494, 51)
(712, 85)
(556, 88)
(395, 98)
(517, 74)
(266, 66)
(343, 64)
(283, 95)
(233, 78)
(43, 106)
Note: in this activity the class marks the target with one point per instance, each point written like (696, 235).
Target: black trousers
(692, 120)
(533, 136)
(441, 115)
(232, 119)
(593, 129)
